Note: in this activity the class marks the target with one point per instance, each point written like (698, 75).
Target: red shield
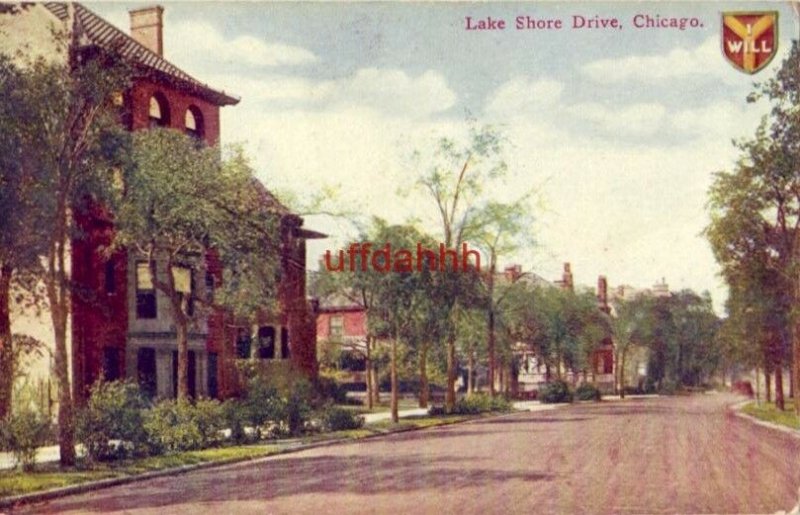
(750, 39)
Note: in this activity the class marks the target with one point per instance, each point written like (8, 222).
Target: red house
(121, 326)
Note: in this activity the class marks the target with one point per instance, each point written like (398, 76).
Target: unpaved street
(665, 455)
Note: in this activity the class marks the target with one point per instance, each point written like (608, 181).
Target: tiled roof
(102, 33)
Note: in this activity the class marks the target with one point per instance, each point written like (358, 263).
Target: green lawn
(769, 413)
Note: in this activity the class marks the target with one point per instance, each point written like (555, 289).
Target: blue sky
(620, 130)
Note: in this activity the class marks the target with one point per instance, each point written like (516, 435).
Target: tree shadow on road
(289, 475)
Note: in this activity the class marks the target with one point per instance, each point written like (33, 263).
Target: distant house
(532, 371)
(342, 332)
(121, 326)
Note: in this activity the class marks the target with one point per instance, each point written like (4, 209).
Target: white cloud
(720, 120)
(391, 91)
(201, 42)
(524, 94)
(704, 62)
(636, 119)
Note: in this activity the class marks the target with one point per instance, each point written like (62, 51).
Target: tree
(455, 180)
(755, 209)
(502, 228)
(182, 203)
(20, 245)
(70, 141)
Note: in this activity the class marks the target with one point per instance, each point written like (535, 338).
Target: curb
(736, 410)
(91, 486)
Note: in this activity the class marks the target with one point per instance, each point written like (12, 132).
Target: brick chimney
(513, 272)
(602, 294)
(566, 277)
(147, 26)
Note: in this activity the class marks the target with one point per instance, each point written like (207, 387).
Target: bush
(23, 433)
(209, 415)
(330, 389)
(668, 387)
(557, 391)
(436, 411)
(335, 418)
(113, 412)
(587, 392)
(235, 417)
(172, 427)
(481, 403)
(299, 406)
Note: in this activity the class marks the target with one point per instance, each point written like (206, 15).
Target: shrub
(587, 392)
(113, 412)
(481, 403)
(299, 406)
(335, 418)
(209, 416)
(557, 391)
(262, 404)
(436, 411)
(171, 427)
(330, 389)
(235, 416)
(23, 433)
(668, 387)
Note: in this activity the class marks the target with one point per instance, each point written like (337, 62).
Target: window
(146, 371)
(193, 121)
(266, 342)
(183, 278)
(284, 343)
(158, 111)
(336, 328)
(213, 388)
(108, 277)
(243, 343)
(210, 285)
(608, 363)
(145, 292)
(111, 357)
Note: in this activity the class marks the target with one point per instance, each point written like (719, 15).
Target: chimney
(513, 272)
(147, 26)
(602, 294)
(566, 277)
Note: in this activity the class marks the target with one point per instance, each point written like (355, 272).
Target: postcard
(399, 257)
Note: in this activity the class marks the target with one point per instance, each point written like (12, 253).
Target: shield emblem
(750, 39)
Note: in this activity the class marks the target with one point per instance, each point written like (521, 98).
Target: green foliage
(209, 415)
(277, 398)
(587, 392)
(328, 388)
(480, 403)
(114, 411)
(172, 427)
(336, 418)
(555, 392)
(23, 433)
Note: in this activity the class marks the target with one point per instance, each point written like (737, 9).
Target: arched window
(193, 122)
(158, 111)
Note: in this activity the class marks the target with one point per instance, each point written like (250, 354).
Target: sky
(619, 130)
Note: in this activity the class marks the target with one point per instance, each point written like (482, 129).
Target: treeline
(755, 235)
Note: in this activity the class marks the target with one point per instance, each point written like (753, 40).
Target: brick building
(121, 325)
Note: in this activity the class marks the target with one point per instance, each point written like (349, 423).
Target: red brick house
(342, 325)
(121, 326)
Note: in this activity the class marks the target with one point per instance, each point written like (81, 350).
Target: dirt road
(665, 455)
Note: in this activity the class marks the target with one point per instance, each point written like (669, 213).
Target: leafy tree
(456, 179)
(68, 145)
(182, 206)
(755, 209)
(502, 228)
